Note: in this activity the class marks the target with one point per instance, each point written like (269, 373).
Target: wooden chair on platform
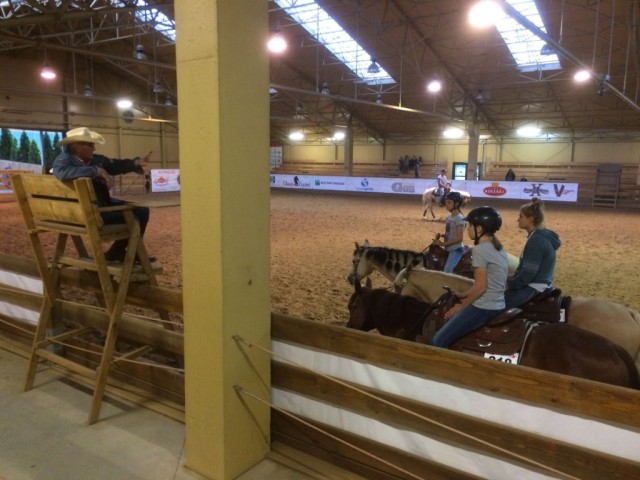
(69, 209)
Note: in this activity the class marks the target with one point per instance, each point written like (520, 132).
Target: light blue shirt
(450, 230)
(495, 261)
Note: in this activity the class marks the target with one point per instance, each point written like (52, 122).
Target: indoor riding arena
(313, 237)
(191, 192)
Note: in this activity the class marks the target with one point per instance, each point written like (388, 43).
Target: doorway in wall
(460, 171)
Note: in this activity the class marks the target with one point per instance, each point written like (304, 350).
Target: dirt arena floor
(313, 235)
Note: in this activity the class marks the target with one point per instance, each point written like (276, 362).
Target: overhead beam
(338, 98)
(85, 52)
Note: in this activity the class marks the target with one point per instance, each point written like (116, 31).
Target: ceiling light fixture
(338, 136)
(139, 53)
(157, 88)
(374, 67)
(124, 103)
(547, 50)
(296, 136)
(325, 89)
(47, 72)
(434, 86)
(277, 43)
(168, 102)
(379, 98)
(485, 13)
(528, 131)
(87, 91)
(582, 76)
(453, 132)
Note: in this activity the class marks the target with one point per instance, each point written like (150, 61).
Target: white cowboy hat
(82, 134)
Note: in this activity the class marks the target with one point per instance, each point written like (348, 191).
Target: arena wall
(423, 412)
(390, 409)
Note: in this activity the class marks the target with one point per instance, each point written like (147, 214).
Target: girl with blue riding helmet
(485, 299)
(538, 259)
(453, 235)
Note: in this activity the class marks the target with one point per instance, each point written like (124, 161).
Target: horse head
(359, 268)
(358, 308)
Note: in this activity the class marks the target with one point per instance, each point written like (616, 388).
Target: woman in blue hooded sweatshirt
(538, 260)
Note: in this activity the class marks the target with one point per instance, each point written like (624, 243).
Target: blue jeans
(110, 218)
(463, 322)
(515, 298)
(453, 259)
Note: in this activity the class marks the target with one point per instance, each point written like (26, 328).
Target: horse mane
(381, 255)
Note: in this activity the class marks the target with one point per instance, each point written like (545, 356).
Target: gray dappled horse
(430, 198)
(391, 261)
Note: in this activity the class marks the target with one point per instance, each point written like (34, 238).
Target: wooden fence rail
(613, 411)
(570, 396)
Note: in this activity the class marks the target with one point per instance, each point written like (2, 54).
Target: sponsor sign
(548, 191)
(165, 180)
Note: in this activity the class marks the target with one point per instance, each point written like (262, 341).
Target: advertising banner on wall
(551, 191)
(165, 180)
(8, 168)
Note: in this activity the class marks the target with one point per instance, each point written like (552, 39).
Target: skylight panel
(330, 34)
(526, 47)
(159, 20)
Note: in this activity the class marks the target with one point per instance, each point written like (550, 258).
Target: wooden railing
(602, 403)
(570, 396)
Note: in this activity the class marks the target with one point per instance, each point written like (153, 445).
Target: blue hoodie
(538, 259)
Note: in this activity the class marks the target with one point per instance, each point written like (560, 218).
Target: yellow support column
(223, 106)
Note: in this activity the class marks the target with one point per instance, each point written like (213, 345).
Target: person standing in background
(510, 176)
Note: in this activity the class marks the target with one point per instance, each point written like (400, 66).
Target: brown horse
(555, 347)
(616, 322)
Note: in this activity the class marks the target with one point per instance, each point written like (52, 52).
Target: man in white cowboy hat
(79, 160)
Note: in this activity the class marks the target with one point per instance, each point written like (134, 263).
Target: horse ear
(357, 286)
(368, 283)
(366, 243)
(357, 246)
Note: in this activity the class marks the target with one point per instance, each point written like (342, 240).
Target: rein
(425, 316)
(439, 304)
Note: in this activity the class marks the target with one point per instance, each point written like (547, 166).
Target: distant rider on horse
(451, 240)
(443, 186)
